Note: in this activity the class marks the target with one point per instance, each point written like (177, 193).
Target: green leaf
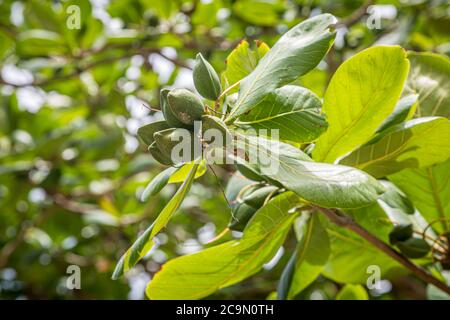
(430, 78)
(404, 110)
(352, 292)
(351, 255)
(429, 190)
(37, 42)
(361, 94)
(396, 199)
(206, 79)
(413, 144)
(323, 184)
(286, 278)
(198, 275)
(157, 183)
(145, 241)
(259, 12)
(433, 293)
(293, 110)
(242, 61)
(313, 251)
(298, 51)
(182, 172)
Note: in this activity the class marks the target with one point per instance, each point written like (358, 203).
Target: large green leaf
(430, 78)
(413, 144)
(362, 93)
(351, 255)
(429, 190)
(145, 241)
(242, 61)
(352, 292)
(323, 184)
(293, 110)
(197, 275)
(312, 254)
(298, 51)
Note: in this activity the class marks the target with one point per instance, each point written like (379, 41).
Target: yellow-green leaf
(362, 93)
(198, 275)
(145, 241)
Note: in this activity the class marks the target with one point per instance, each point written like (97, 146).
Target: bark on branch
(347, 222)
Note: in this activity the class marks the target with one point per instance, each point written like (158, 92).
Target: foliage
(87, 178)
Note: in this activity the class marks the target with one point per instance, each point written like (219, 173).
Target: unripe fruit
(414, 248)
(146, 132)
(400, 233)
(206, 79)
(170, 117)
(158, 155)
(241, 215)
(218, 139)
(185, 106)
(180, 145)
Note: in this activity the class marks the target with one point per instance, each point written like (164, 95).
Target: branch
(356, 15)
(347, 222)
(94, 64)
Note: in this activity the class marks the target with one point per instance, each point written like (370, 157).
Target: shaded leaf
(351, 255)
(429, 190)
(430, 79)
(404, 110)
(313, 251)
(413, 144)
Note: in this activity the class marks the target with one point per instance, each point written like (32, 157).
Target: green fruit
(211, 122)
(414, 248)
(241, 215)
(257, 198)
(170, 117)
(249, 171)
(218, 139)
(158, 155)
(180, 145)
(146, 132)
(400, 233)
(185, 106)
(206, 79)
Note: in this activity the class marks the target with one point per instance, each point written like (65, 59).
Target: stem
(347, 222)
(225, 92)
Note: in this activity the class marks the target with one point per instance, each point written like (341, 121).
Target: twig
(356, 15)
(347, 222)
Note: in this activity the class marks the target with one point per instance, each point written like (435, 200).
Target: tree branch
(347, 222)
(94, 64)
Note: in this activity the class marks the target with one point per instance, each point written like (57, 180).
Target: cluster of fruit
(181, 108)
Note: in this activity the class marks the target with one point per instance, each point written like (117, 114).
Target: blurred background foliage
(71, 100)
